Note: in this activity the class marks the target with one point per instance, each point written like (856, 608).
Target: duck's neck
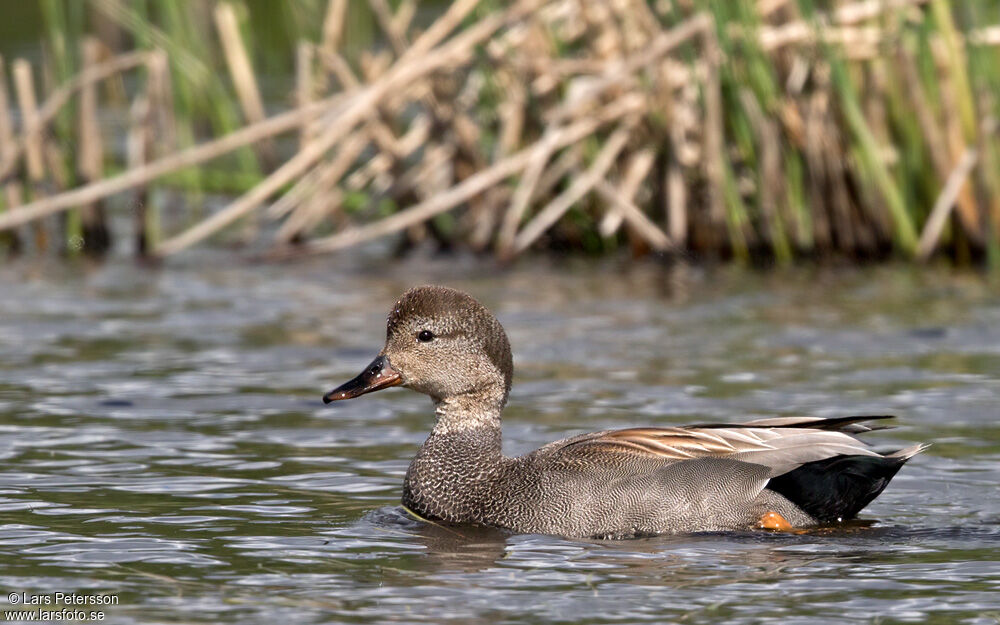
(468, 413)
(458, 463)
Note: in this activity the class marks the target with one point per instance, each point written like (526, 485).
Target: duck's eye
(425, 336)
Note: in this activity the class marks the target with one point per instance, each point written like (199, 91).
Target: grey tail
(837, 488)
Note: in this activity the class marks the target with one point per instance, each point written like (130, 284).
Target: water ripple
(162, 438)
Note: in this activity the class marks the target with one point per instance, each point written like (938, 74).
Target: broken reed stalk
(32, 131)
(161, 100)
(676, 198)
(555, 209)
(333, 25)
(31, 138)
(90, 156)
(534, 167)
(305, 54)
(137, 149)
(769, 177)
(634, 216)
(635, 173)
(713, 133)
(386, 20)
(955, 138)
(12, 191)
(189, 157)
(244, 78)
(944, 204)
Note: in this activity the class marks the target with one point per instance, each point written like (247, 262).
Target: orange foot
(774, 521)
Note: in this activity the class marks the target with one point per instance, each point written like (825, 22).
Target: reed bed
(755, 130)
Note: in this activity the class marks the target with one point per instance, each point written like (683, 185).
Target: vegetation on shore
(751, 129)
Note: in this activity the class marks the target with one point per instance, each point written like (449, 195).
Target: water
(162, 441)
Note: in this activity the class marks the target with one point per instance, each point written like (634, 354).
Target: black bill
(376, 376)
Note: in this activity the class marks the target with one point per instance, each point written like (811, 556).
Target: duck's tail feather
(908, 452)
(837, 488)
(854, 424)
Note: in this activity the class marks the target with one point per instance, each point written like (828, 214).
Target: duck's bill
(376, 376)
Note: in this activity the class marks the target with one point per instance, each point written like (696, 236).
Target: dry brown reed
(577, 123)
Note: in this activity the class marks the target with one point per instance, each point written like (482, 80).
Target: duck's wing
(817, 464)
(780, 444)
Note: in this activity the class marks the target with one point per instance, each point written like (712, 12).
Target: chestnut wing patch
(673, 443)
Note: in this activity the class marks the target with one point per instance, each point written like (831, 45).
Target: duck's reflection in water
(678, 561)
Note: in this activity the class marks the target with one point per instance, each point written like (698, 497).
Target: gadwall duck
(779, 473)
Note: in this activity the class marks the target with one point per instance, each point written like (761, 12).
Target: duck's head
(440, 342)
